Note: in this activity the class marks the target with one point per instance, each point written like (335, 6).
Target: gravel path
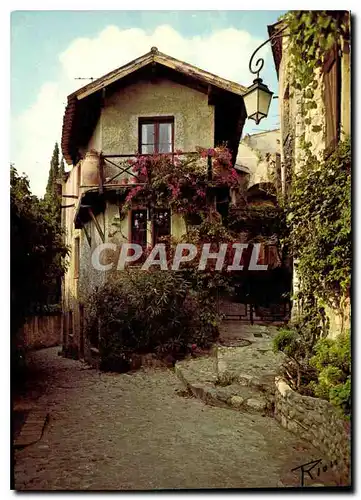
(135, 431)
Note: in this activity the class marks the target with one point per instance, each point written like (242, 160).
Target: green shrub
(296, 343)
(320, 368)
(286, 341)
(340, 396)
(148, 311)
(332, 360)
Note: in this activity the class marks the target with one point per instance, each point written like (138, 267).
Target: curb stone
(33, 428)
(225, 397)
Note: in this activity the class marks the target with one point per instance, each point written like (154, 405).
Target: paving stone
(236, 401)
(257, 404)
(133, 432)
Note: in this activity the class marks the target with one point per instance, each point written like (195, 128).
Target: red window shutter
(332, 98)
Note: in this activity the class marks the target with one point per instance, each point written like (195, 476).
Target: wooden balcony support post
(97, 225)
(87, 235)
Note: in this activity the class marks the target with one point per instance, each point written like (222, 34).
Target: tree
(53, 174)
(61, 169)
(37, 251)
(52, 198)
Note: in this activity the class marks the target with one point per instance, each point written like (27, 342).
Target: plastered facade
(193, 117)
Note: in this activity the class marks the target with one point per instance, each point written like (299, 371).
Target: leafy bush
(37, 251)
(296, 343)
(319, 368)
(332, 360)
(147, 311)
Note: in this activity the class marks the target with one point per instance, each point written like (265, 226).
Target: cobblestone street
(136, 431)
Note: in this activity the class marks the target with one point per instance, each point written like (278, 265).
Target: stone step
(244, 398)
(255, 365)
(199, 378)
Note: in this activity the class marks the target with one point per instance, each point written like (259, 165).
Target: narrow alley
(140, 431)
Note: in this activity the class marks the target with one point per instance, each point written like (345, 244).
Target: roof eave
(154, 56)
(277, 45)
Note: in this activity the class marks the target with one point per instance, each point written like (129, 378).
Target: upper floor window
(156, 135)
(332, 98)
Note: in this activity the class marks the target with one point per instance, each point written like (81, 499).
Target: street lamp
(257, 100)
(258, 96)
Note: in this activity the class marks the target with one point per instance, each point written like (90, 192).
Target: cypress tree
(61, 169)
(50, 194)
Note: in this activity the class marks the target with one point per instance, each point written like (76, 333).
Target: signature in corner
(306, 469)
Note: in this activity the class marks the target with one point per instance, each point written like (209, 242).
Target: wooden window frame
(154, 120)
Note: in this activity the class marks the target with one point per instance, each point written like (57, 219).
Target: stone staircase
(240, 371)
(239, 374)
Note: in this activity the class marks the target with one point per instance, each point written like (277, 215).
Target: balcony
(114, 171)
(113, 174)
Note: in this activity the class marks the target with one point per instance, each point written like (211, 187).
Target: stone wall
(258, 154)
(317, 421)
(41, 331)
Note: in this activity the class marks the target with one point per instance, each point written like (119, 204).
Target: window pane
(148, 133)
(156, 137)
(165, 133)
(139, 227)
(76, 257)
(165, 148)
(147, 149)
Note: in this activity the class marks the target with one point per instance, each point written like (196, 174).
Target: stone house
(324, 126)
(152, 104)
(259, 160)
(259, 156)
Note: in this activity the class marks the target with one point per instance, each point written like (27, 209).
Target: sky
(51, 49)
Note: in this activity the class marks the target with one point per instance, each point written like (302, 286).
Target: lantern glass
(257, 100)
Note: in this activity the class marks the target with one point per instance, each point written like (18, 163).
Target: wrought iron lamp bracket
(258, 65)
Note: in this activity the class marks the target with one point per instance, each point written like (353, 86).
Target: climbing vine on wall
(311, 34)
(320, 220)
(319, 217)
(320, 206)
